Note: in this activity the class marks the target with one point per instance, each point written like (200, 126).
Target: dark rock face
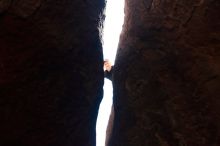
(167, 74)
(166, 79)
(51, 73)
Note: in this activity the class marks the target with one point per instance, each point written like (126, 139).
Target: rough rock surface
(167, 74)
(51, 74)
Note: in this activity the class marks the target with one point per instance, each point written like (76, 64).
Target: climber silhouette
(108, 68)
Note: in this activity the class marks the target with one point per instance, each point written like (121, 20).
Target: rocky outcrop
(167, 74)
(51, 73)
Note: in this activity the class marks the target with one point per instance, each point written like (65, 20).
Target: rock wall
(167, 74)
(51, 74)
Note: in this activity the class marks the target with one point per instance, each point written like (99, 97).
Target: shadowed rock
(51, 73)
(167, 74)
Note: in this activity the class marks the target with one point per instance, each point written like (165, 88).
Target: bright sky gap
(112, 29)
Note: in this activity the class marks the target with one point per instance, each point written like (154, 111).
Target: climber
(108, 68)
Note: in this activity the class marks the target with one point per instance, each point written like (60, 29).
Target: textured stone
(167, 74)
(24, 8)
(51, 73)
(4, 5)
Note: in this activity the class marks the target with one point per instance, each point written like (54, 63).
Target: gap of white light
(112, 29)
